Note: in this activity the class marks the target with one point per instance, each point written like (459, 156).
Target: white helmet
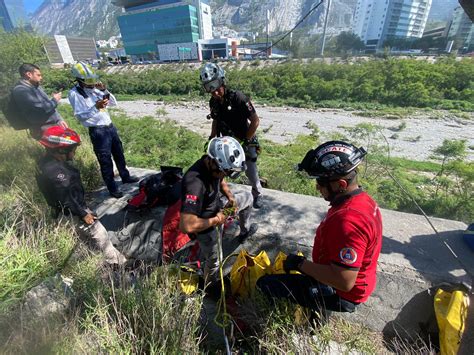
(228, 155)
(84, 72)
(212, 77)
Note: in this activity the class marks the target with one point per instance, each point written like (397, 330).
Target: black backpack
(12, 113)
(162, 189)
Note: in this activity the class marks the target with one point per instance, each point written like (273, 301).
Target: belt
(104, 126)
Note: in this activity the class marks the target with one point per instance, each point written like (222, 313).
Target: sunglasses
(212, 86)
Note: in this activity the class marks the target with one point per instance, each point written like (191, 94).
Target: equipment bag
(245, 272)
(451, 304)
(162, 189)
(173, 238)
(11, 112)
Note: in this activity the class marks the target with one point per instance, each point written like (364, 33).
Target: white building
(377, 20)
(204, 10)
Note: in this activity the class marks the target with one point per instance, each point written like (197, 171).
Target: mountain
(77, 18)
(97, 18)
(250, 15)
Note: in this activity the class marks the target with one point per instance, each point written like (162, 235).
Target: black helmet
(332, 159)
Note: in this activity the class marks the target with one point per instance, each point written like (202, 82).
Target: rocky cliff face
(97, 18)
(250, 15)
(79, 18)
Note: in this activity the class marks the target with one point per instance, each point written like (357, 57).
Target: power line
(294, 28)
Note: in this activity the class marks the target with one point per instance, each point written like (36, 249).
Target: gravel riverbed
(416, 141)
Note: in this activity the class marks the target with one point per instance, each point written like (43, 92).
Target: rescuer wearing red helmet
(61, 185)
(342, 273)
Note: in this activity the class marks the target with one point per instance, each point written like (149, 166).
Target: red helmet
(57, 137)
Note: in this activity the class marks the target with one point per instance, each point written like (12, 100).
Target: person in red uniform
(347, 243)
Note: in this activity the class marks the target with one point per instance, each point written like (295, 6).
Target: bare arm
(227, 193)
(190, 223)
(338, 277)
(254, 122)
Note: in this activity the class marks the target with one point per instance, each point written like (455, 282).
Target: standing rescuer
(347, 242)
(60, 183)
(205, 194)
(89, 99)
(234, 115)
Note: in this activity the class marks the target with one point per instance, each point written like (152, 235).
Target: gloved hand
(292, 262)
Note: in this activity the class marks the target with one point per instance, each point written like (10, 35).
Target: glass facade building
(12, 14)
(378, 20)
(144, 27)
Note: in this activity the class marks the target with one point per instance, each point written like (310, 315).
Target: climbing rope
(222, 318)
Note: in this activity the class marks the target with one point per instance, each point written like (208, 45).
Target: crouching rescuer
(348, 241)
(206, 199)
(60, 183)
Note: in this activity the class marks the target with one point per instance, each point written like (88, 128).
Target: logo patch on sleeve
(249, 106)
(348, 256)
(191, 199)
(61, 177)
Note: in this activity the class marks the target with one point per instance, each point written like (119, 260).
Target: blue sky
(32, 5)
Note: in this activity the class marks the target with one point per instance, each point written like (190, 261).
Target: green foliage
(161, 143)
(31, 246)
(392, 84)
(155, 318)
(452, 149)
(15, 49)
(347, 42)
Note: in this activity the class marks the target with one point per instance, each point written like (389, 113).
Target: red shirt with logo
(351, 236)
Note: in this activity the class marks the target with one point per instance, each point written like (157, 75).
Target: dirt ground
(416, 141)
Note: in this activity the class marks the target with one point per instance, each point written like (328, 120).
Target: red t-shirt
(351, 236)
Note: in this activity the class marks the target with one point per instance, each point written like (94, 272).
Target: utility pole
(268, 20)
(325, 26)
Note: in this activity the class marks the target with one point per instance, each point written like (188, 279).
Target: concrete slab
(413, 257)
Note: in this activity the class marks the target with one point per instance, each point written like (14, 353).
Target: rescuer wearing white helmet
(233, 114)
(89, 99)
(342, 273)
(206, 198)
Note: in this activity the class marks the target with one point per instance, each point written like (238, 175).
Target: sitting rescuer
(234, 115)
(60, 183)
(206, 196)
(347, 242)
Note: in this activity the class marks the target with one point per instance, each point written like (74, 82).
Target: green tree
(347, 42)
(449, 150)
(17, 48)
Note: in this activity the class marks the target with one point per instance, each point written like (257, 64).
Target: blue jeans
(107, 144)
(305, 291)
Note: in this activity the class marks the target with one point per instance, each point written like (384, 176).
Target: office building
(461, 31)
(164, 29)
(12, 15)
(61, 49)
(375, 21)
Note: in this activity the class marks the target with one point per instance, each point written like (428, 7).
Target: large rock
(414, 258)
(49, 300)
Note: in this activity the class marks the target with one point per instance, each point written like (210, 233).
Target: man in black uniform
(234, 115)
(61, 185)
(205, 193)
